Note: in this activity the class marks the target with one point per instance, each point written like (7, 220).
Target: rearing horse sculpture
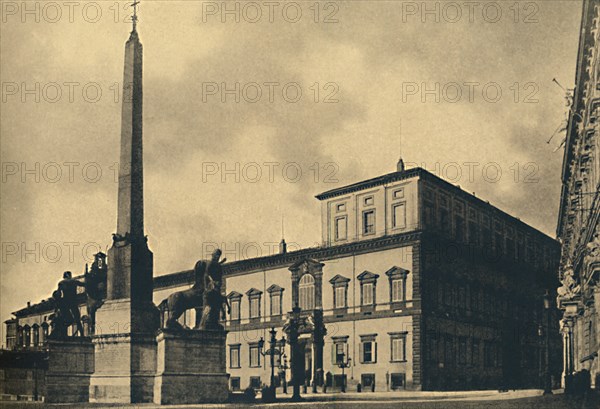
(181, 301)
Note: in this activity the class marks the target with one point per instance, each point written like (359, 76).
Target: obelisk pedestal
(70, 365)
(191, 367)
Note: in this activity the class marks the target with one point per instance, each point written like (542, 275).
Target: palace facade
(578, 228)
(417, 285)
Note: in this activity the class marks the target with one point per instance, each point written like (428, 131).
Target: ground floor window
(339, 380)
(255, 382)
(397, 381)
(235, 383)
(367, 380)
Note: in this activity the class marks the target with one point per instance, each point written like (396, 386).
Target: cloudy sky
(328, 93)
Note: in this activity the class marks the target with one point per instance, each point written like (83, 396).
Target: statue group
(206, 293)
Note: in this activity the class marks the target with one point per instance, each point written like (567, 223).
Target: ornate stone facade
(578, 230)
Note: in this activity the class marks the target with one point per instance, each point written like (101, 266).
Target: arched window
(20, 336)
(307, 292)
(44, 335)
(36, 335)
(26, 336)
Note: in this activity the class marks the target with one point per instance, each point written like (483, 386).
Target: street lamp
(284, 368)
(547, 379)
(272, 351)
(343, 365)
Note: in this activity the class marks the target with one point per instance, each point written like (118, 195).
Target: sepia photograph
(300, 203)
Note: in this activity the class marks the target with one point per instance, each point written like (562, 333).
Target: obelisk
(125, 343)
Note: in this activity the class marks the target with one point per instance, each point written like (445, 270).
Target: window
(235, 310)
(275, 304)
(444, 220)
(254, 297)
(27, 336)
(276, 294)
(339, 352)
(398, 346)
(367, 294)
(340, 297)
(341, 207)
(235, 383)
(307, 292)
(429, 212)
(255, 382)
(462, 351)
(254, 356)
(36, 335)
(399, 216)
(341, 228)
(368, 201)
(367, 380)
(398, 194)
(368, 283)
(369, 222)
(235, 300)
(397, 279)
(254, 307)
(44, 332)
(340, 291)
(397, 380)
(397, 290)
(473, 233)
(234, 356)
(368, 349)
(459, 224)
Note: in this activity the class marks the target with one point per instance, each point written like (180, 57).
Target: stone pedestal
(70, 365)
(191, 367)
(125, 359)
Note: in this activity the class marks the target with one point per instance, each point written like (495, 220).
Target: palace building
(578, 221)
(417, 285)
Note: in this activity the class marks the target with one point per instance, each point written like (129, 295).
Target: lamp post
(295, 366)
(284, 368)
(547, 379)
(272, 351)
(343, 365)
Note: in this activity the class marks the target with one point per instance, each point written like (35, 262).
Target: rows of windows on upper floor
(472, 300)
(306, 294)
(465, 224)
(368, 216)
